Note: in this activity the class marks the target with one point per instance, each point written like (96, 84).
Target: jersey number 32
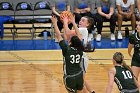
(75, 58)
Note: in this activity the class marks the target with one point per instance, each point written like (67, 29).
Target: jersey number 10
(127, 74)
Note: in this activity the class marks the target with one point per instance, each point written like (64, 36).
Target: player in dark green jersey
(134, 42)
(85, 22)
(122, 75)
(72, 56)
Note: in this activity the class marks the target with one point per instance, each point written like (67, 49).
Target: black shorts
(130, 92)
(74, 82)
(135, 61)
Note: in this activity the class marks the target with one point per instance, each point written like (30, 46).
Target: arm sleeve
(63, 46)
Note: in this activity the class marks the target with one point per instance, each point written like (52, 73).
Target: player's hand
(108, 16)
(65, 19)
(72, 19)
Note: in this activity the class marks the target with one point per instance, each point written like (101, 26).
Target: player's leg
(88, 87)
(70, 85)
(79, 82)
(136, 71)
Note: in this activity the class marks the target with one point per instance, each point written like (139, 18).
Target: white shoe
(120, 35)
(112, 37)
(98, 38)
(90, 37)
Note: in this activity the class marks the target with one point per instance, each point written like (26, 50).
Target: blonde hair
(119, 58)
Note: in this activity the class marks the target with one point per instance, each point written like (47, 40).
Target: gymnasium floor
(35, 66)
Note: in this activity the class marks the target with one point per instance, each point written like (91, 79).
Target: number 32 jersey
(124, 79)
(72, 59)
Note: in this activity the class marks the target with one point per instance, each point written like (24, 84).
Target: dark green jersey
(135, 40)
(72, 58)
(124, 79)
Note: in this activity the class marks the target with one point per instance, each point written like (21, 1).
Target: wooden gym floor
(42, 71)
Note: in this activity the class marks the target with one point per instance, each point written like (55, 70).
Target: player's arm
(54, 11)
(68, 7)
(111, 75)
(130, 46)
(72, 19)
(65, 25)
(57, 31)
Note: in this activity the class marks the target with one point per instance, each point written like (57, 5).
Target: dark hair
(119, 58)
(77, 43)
(90, 21)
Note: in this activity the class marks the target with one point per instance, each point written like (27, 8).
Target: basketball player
(84, 23)
(122, 75)
(134, 42)
(72, 55)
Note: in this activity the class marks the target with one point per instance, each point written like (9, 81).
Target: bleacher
(32, 28)
(29, 16)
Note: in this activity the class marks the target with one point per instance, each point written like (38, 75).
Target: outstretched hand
(65, 19)
(72, 18)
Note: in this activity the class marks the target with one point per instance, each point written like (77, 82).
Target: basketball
(65, 14)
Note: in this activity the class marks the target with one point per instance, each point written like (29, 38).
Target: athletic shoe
(112, 37)
(120, 35)
(98, 38)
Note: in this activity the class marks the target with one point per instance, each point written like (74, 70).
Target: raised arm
(57, 31)
(65, 25)
(72, 20)
(54, 11)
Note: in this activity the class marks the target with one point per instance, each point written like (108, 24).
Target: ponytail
(119, 58)
(127, 67)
